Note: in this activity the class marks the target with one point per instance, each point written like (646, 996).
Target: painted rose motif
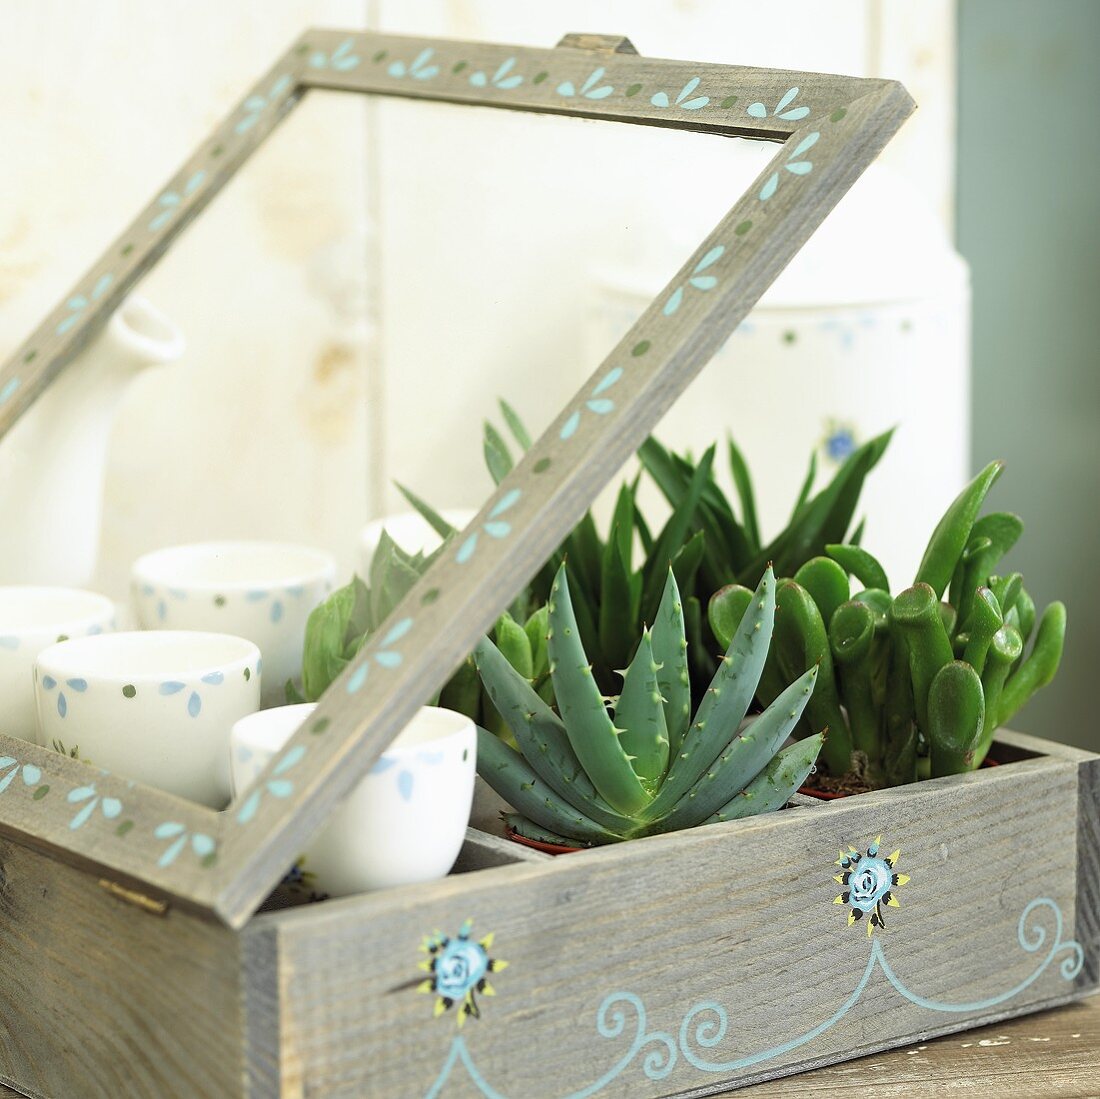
(459, 968)
(869, 883)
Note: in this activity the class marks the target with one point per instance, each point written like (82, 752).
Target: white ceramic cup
(260, 590)
(155, 706)
(410, 530)
(31, 619)
(405, 822)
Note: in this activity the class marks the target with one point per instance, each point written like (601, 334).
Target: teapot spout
(53, 462)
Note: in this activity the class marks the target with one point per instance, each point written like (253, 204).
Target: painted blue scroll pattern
(705, 1025)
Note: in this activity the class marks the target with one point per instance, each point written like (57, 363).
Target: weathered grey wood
(532, 510)
(482, 851)
(101, 998)
(740, 914)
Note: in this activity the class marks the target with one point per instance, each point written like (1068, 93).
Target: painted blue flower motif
(783, 108)
(493, 526)
(590, 89)
(171, 201)
(194, 699)
(277, 786)
(384, 656)
(275, 611)
(419, 68)
(795, 165)
(405, 777)
(8, 390)
(660, 99)
(840, 441)
(503, 78)
(50, 684)
(597, 402)
(255, 105)
(77, 304)
(458, 968)
(109, 807)
(341, 59)
(203, 847)
(869, 883)
(697, 280)
(10, 767)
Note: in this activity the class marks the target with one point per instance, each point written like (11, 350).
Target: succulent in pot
(605, 770)
(911, 685)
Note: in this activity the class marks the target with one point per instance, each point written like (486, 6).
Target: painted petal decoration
(172, 687)
(601, 407)
(569, 428)
(405, 784)
(214, 678)
(769, 187)
(674, 301)
(757, 110)
(785, 101)
(659, 99)
(398, 631)
(608, 380)
(194, 704)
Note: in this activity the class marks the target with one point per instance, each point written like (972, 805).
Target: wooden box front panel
(101, 998)
(686, 962)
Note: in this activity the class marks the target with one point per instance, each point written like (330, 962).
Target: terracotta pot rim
(827, 795)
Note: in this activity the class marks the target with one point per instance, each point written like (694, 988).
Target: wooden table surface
(1052, 1054)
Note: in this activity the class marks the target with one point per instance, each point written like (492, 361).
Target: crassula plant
(602, 770)
(916, 683)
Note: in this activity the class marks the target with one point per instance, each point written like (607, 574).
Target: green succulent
(703, 541)
(602, 770)
(913, 684)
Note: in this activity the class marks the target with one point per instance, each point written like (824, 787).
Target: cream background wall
(296, 403)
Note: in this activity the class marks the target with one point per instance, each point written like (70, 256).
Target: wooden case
(132, 962)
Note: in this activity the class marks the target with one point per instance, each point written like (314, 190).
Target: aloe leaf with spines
(640, 717)
(721, 764)
(747, 754)
(956, 719)
(591, 732)
(771, 789)
(670, 651)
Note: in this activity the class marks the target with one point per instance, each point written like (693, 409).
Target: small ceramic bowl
(155, 706)
(410, 531)
(405, 822)
(260, 590)
(30, 620)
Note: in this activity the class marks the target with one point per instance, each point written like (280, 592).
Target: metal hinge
(597, 43)
(132, 896)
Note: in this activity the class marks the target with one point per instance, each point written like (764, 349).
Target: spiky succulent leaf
(515, 425)
(776, 784)
(746, 755)
(587, 723)
(528, 829)
(640, 717)
(670, 651)
(742, 482)
(513, 778)
(726, 702)
(541, 736)
(427, 512)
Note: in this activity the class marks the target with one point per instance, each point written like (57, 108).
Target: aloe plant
(913, 684)
(603, 770)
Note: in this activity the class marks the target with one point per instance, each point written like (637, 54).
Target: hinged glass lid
(829, 128)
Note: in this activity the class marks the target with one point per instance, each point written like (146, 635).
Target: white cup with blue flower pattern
(406, 820)
(32, 618)
(264, 591)
(155, 706)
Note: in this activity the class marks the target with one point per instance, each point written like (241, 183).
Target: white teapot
(52, 462)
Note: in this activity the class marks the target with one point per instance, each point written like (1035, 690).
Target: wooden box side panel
(102, 998)
(692, 961)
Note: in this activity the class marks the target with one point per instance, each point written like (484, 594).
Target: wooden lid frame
(831, 128)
